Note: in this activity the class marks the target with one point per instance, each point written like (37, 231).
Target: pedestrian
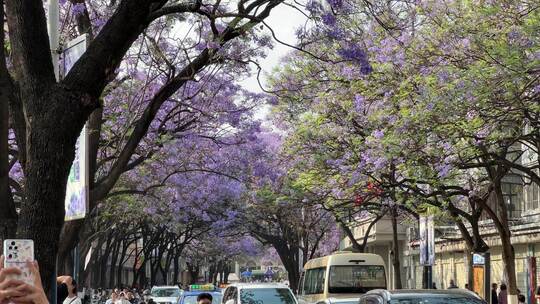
(204, 298)
(63, 284)
(131, 298)
(433, 286)
(452, 285)
(494, 299)
(72, 297)
(113, 299)
(503, 295)
(467, 286)
(122, 299)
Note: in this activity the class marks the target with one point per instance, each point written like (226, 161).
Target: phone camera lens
(13, 243)
(16, 248)
(10, 248)
(10, 256)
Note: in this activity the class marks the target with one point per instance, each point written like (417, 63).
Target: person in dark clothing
(433, 286)
(503, 295)
(494, 299)
(452, 285)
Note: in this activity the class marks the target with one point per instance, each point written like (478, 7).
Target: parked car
(166, 294)
(421, 296)
(258, 294)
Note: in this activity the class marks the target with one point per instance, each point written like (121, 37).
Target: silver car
(421, 296)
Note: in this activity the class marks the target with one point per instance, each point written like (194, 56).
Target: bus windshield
(356, 278)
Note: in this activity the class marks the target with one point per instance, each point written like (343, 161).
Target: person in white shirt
(113, 299)
(72, 297)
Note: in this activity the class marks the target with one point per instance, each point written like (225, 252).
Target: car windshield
(422, 299)
(193, 299)
(356, 278)
(267, 296)
(165, 292)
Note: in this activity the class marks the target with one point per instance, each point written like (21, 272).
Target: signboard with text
(427, 241)
(77, 188)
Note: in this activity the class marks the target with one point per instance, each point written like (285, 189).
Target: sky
(284, 20)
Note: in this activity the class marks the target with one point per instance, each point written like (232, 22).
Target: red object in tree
(372, 188)
(358, 200)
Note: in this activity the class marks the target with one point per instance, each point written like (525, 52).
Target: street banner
(427, 241)
(77, 188)
(531, 279)
(478, 280)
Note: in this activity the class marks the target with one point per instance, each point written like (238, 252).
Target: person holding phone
(72, 297)
(17, 291)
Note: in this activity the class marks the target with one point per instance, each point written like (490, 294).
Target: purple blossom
(335, 4)
(335, 33)
(355, 53)
(378, 134)
(359, 103)
(329, 19)
(443, 169)
(78, 9)
(379, 163)
(313, 6)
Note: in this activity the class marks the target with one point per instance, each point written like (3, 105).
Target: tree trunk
(508, 254)
(8, 214)
(112, 267)
(121, 263)
(395, 252)
(176, 266)
(289, 258)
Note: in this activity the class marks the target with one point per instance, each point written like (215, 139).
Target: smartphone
(17, 254)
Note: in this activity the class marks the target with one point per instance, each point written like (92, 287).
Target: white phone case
(17, 253)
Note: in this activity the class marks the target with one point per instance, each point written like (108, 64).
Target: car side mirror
(230, 302)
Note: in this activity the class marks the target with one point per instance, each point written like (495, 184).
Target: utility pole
(54, 33)
(54, 42)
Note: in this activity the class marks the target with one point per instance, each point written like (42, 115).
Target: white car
(166, 294)
(258, 294)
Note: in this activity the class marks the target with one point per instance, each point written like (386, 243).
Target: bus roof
(345, 258)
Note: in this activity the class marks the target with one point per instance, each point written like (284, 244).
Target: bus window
(356, 278)
(314, 281)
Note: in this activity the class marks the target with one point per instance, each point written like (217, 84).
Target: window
(301, 283)
(314, 281)
(267, 295)
(356, 278)
(532, 195)
(169, 292)
(512, 194)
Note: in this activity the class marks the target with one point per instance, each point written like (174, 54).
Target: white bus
(341, 275)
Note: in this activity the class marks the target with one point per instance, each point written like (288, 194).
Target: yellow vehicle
(342, 275)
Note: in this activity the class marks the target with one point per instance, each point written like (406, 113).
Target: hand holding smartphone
(17, 254)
